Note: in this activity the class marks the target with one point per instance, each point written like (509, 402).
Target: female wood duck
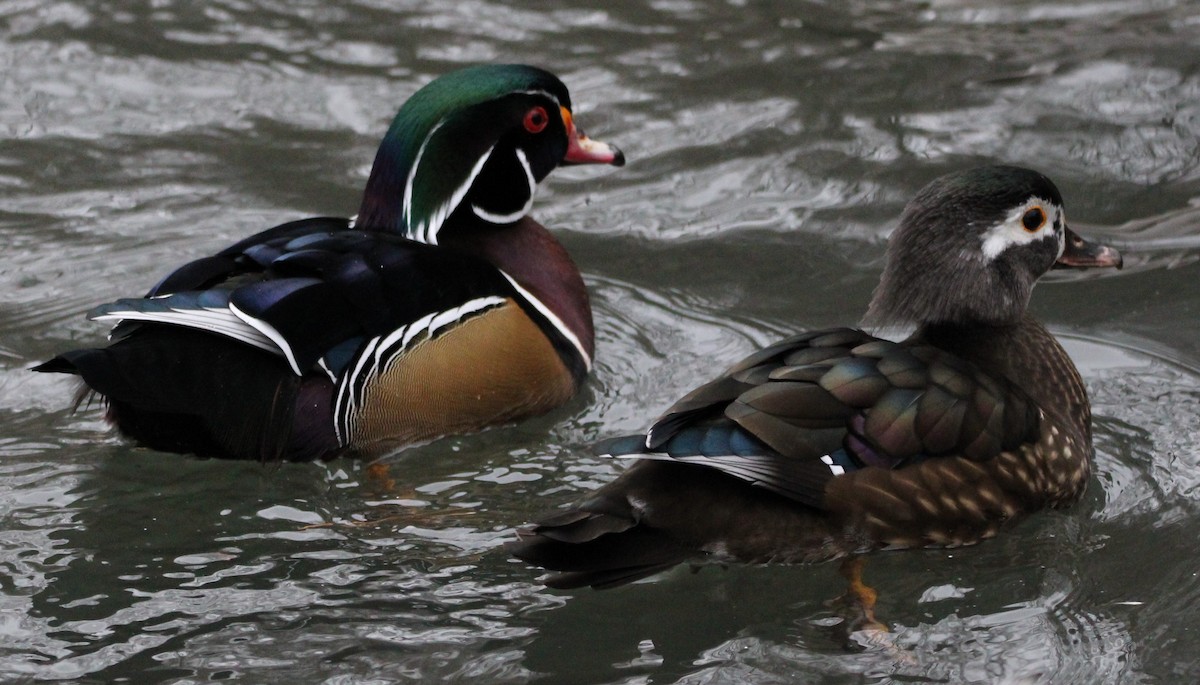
(835, 442)
(442, 308)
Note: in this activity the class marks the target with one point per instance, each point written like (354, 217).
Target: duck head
(972, 244)
(472, 145)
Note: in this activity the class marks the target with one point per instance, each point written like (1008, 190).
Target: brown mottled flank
(494, 367)
(954, 501)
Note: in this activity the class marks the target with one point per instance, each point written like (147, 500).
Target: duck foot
(862, 629)
(859, 600)
(380, 476)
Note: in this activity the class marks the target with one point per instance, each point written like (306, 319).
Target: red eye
(536, 120)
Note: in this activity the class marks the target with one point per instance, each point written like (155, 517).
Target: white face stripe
(515, 216)
(558, 323)
(1010, 231)
(426, 231)
(412, 174)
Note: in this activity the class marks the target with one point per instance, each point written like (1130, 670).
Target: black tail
(661, 513)
(181, 390)
(599, 542)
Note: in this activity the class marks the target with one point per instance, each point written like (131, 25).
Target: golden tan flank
(494, 367)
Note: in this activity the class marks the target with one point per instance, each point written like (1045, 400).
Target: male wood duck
(835, 442)
(442, 308)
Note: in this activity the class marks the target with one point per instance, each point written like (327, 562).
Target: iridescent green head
(472, 146)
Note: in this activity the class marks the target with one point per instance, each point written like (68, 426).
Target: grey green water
(771, 146)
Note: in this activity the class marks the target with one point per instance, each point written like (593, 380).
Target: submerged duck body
(442, 308)
(836, 442)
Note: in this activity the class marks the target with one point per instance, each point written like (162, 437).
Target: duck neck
(539, 265)
(382, 207)
(1027, 355)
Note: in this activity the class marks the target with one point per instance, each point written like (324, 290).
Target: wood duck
(441, 308)
(835, 442)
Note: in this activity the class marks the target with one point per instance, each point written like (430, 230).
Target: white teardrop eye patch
(1023, 225)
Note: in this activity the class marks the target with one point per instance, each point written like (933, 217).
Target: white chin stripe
(515, 216)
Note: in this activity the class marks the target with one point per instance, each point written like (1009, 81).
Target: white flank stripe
(346, 404)
(683, 458)
(515, 216)
(361, 363)
(391, 339)
(758, 470)
(734, 465)
(657, 456)
(412, 174)
(380, 353)
(441, 320)
(745, 472)
(394, 345)
(462, 311)
(554, 320)
(269, 331)
(415, 328)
